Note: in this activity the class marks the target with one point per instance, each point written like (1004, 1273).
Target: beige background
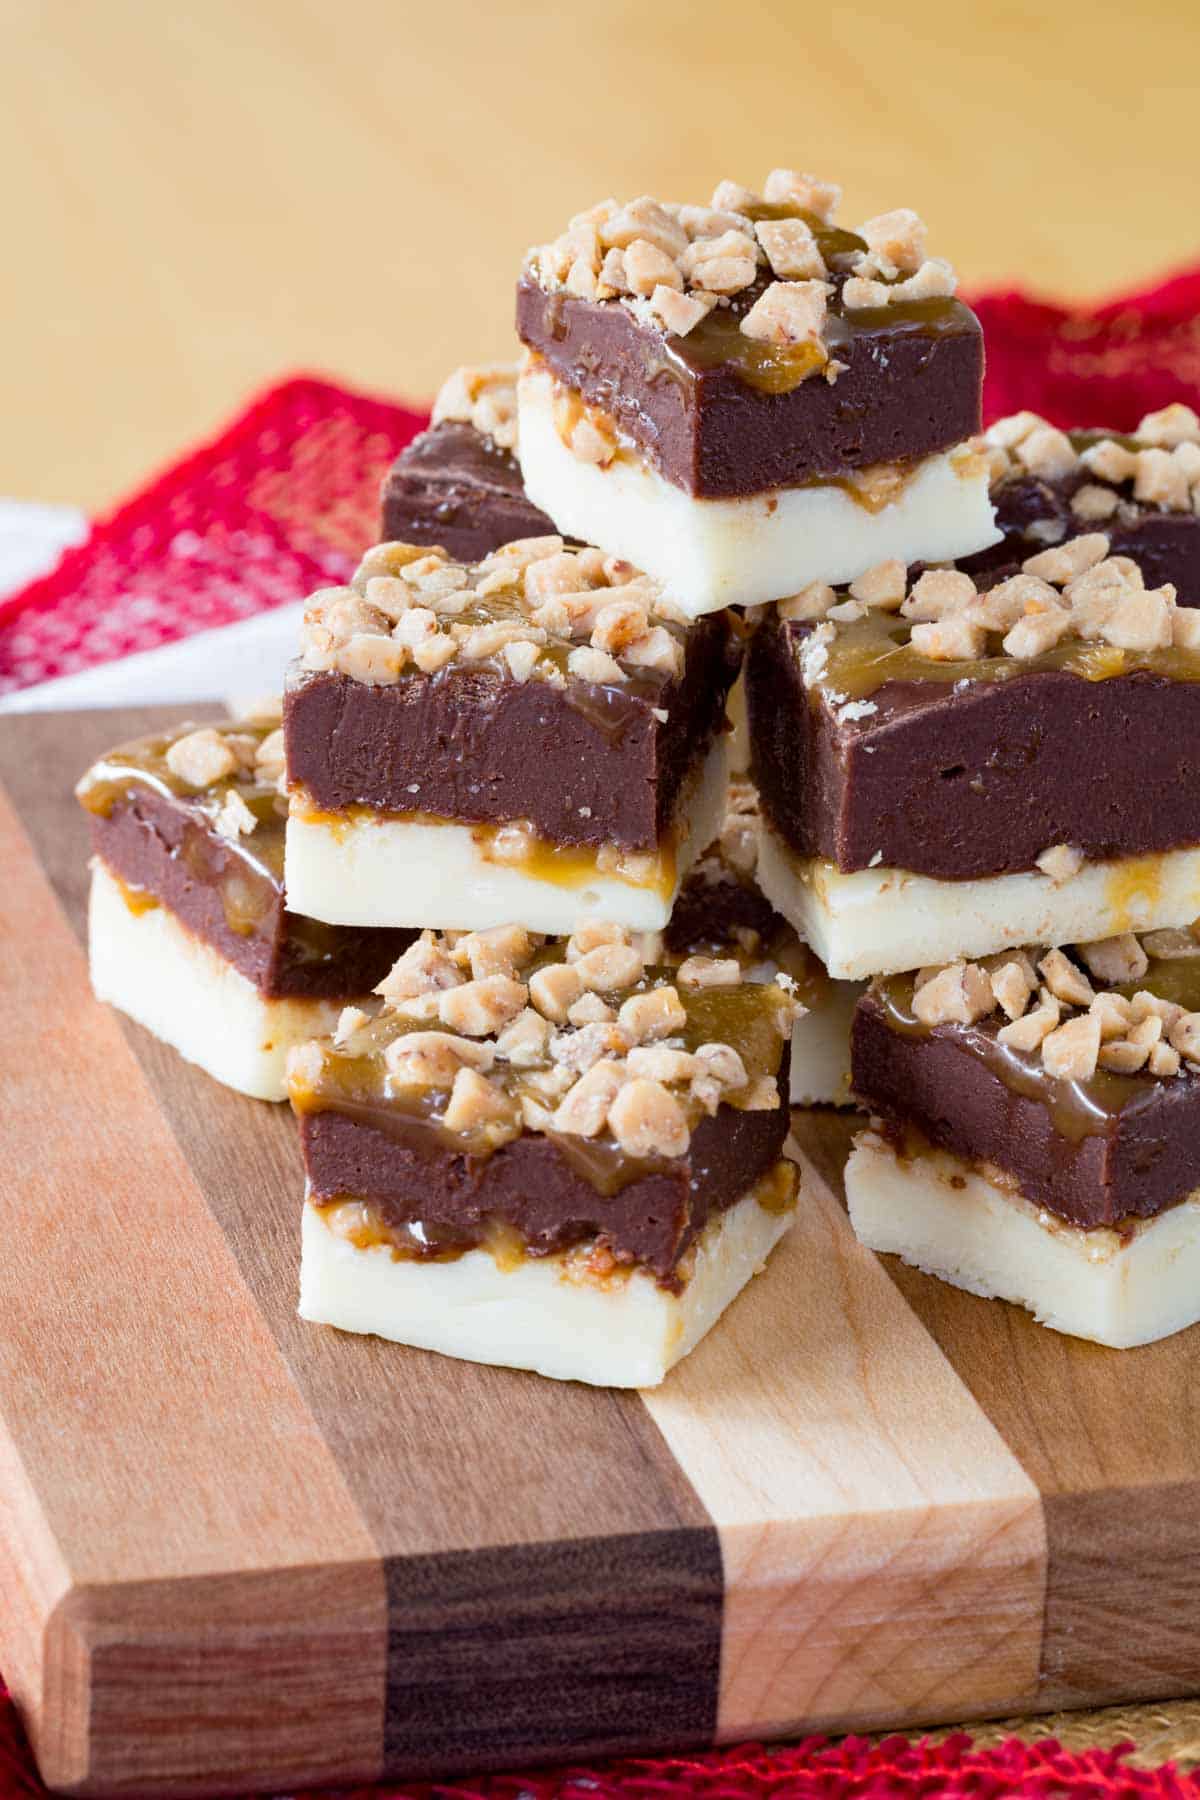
(201, 196)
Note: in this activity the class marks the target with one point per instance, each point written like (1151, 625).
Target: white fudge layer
(821, 1048)
(624, 1333)
(153, 968)
(741, 552)
(396, 872)
(1090, 1284)
(883, 921)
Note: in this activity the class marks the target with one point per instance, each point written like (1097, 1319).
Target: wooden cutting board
(239, 1551)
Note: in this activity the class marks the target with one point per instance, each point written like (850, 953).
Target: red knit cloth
(283, 501)
(285, 498)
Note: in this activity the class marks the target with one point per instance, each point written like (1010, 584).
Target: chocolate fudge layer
(966, 734)
(505, 711)
(192, 819)
(548, 1193)
(1096, 1145)
(755, 344)
(578, 1098)
(454, 487)
(1138, 487)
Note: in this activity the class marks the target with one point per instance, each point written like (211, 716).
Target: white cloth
(32, 538)
(234, 663)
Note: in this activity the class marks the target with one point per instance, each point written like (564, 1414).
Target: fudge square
(458, 485)
(1142, 489)
(545, 1154)
(534, 738)
(190, 931)
(947, 770)
(745, 397)
(1038, 1131)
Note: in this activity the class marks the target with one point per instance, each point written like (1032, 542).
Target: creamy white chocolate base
(821, 1048)
(883, 921)
(153, 968)
(944, 1217)
(742, 552)
(387, 871)
(620, 1331)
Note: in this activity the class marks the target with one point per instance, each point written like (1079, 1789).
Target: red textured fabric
(1104, 365)
(284, 499)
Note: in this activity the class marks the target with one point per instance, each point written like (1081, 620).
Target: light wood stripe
(884, 1552)
(144, 1403)
(1111, 1438)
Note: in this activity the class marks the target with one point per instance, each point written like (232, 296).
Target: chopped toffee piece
(546, 1095)
(754, 344)
(1142, 489)
(458, 485)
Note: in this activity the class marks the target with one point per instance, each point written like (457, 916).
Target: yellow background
(203, 194)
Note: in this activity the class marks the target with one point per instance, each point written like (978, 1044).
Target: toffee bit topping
(532, 610)
(1157, 466)
(484, 396)
(1074, 1027)
(350, 1020)
(959, 994)
(934, 280)
(202, 757)
(1071, 592)
(671, 264)
(647, 1120)
(791, 249)
(789, 312)
(269, 762)
(234, 820)
(227, 770)
(895, 243)
(709, 971)
(491, 1033)
(884, 586)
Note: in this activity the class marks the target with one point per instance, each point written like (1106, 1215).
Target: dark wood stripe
(554, 1584)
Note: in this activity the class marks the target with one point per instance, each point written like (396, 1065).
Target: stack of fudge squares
(721, 720)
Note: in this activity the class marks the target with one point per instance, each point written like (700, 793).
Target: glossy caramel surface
(1079, 1109)
(143, 763)
(867, 653)
(247, 872)
(719, 342)
(353, 1078)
